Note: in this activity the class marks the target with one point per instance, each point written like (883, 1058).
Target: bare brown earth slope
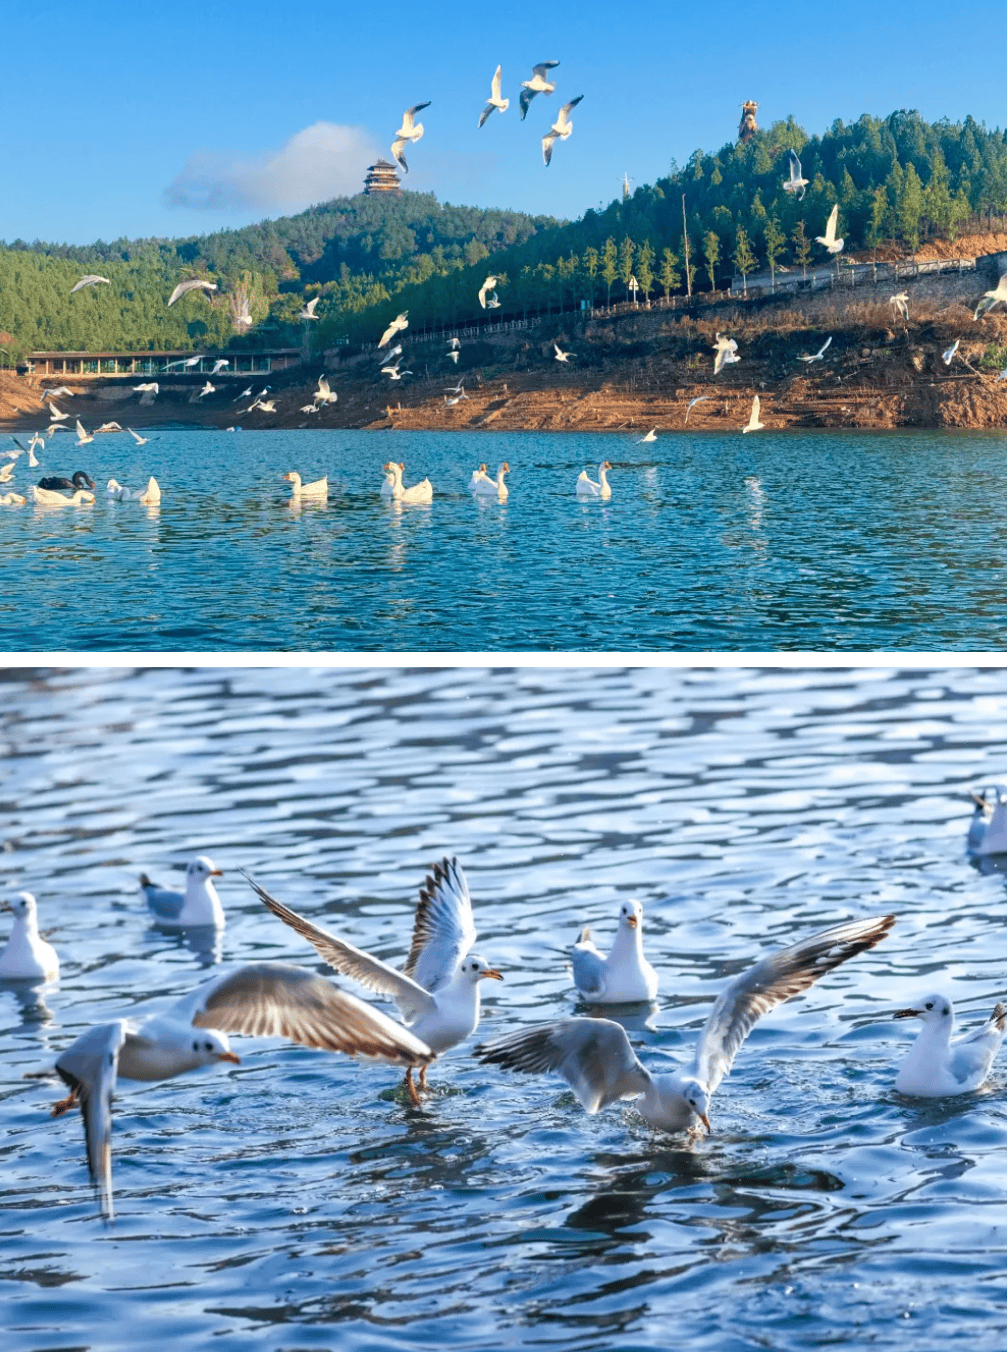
(635, 369)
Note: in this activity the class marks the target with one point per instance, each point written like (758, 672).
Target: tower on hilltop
(381, 177)
(748, 126)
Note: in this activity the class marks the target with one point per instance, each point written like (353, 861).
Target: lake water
(296, 1202)
(838, 541)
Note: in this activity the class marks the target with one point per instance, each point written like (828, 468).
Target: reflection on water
(743, 809)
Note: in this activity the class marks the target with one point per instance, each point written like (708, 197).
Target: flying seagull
(833, 245)
(947, 356)
(245, 394)
(560, 129)
(398, 323)
(207, 389)
(219, 366)
(484, 291)
(820, 353)
(55, 414)
(727, 352)
(753, 424)
(54, 394)
(900, 303)
(194, 284)
(494, 101)
(324, 394)
(538, 84)
(991, 298)
(795, 184)
(410, 130)
(92, 279)
(82, 436)
(309, 310)
(140, 441)
(561, 355)
(149, 387)
(692, 403)
(595, 1058)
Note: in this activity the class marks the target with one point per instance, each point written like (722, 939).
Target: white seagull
(538, 84)
(207, 389)
(947, 356)
(308, 408)
(197, 283)
(820, 353)
(698, 400)
(900, 304)
(936, 1066)
(625, 975)
(587, 488)
(140, 441)
(399, 323)
(560, 129)
(595, 1058)
(309, 310)
(27, 956)
(395, 351)
(219, 365)
(245, 393)
(561, 355)
(485, 289)
(651, 436)
(54, 394)
(324, 393)
(197, 906)
(411, 131)
(262, 999)
(494, 100)
(726, 350)
(437, 991)
(149, 387)
(987, 832)
(833, 245)
(55, 414)
(753, 424)
(795, 183)
(92, 279)
(82, 436)
(991, 298)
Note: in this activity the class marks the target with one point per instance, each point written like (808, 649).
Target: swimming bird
(587, 488)
(116, 491)
(92, 279)
(261, 999)
(937, 1066)
(148, 387)
(495, 488)
(538, 84)
(207, 389)
(494, 100)
(151, 495)
(52, 482)
(900, 303)
(437, 991)
(561, 355)
(947, 356)
(27, 956)
(46, 497)
(726, 350)
(698, 400)
(317, 491)
(221, 364)
(833, 245)
(55, 414)
(398, 323)
(560, 129)
(753, 424)
(421, 492)
(82, 436)
(194, 908)
(651, 436)
(7, 472)
(795, 183)
(308, 311)
(140, 441)
(411, 131)
(987, 832)
(197, 283)
(478, 475)
(820, 353)
(625, 975)
(992, 298)
(595, 1058)
(12, 500)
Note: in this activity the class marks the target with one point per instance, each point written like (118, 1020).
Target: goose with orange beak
(437, 991)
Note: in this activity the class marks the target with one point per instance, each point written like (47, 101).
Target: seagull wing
(824, 347)
(795, 167)
(524, 99)
(544, 67)
(770, 982)
(830, 228)
(398, 147)
(89, 1067)
(565, 111)
(589, 970)
(547, 144)
(444, 930)
(371, 972)
(496, 83)
(278, 999)
(592, 1055)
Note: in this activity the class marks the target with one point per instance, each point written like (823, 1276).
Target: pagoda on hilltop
(381, 177)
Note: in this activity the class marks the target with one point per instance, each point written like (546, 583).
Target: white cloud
(320, 162)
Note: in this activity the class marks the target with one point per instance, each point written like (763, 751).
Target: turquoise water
(296, 1202)
(838, 541)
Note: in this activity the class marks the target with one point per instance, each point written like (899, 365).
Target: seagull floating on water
(410, 131)
(494, 100)
(625, 975)
(595, 1058)
(820, 353)
(753, 424)
(937, 1066)
(92, 279)
(833, 245)
(560, 129)
(27, 956)
(197, 283)
(437, 991)
(987, 832)
(795, 183)
(538, 84)
(198, 905)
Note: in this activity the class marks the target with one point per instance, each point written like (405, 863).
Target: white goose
(421, 492)
(478, 475)
(318, 491)
(493, 488)
(12, 500)
(587, 488)
(48, 497)
(150, 496)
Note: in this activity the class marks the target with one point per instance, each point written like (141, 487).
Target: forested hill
(354, 252)
(897, 179)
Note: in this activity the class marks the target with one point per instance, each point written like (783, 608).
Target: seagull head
(696, 1096)
(475, 968)
(201, 868)
(932, 1009)
(209, 1045)
(631, 915)
(23, 906)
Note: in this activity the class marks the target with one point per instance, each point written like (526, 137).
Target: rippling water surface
(297, 1202)
(805, 541)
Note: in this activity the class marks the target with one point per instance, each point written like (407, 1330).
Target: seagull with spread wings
(560, 129)
(92, 279)
(410, 131)
(437, 991)
(538, 84)
(197, 283)
(820, 354)
(398, 323)
(829, 239)
(795, 183)
(495, 100)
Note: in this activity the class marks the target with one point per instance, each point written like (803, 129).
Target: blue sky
(181, 119)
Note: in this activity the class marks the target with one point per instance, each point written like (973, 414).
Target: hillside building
(381, 177)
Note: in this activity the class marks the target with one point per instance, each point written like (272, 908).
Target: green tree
(774, 239)
(670, 278)
(590, 267)
(711, 252)
(910, 208)
(609, 267)
(744, 258)
(879, 213)
(627, 252)
(645, 269)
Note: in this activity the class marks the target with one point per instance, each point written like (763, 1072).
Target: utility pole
(685, 237)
